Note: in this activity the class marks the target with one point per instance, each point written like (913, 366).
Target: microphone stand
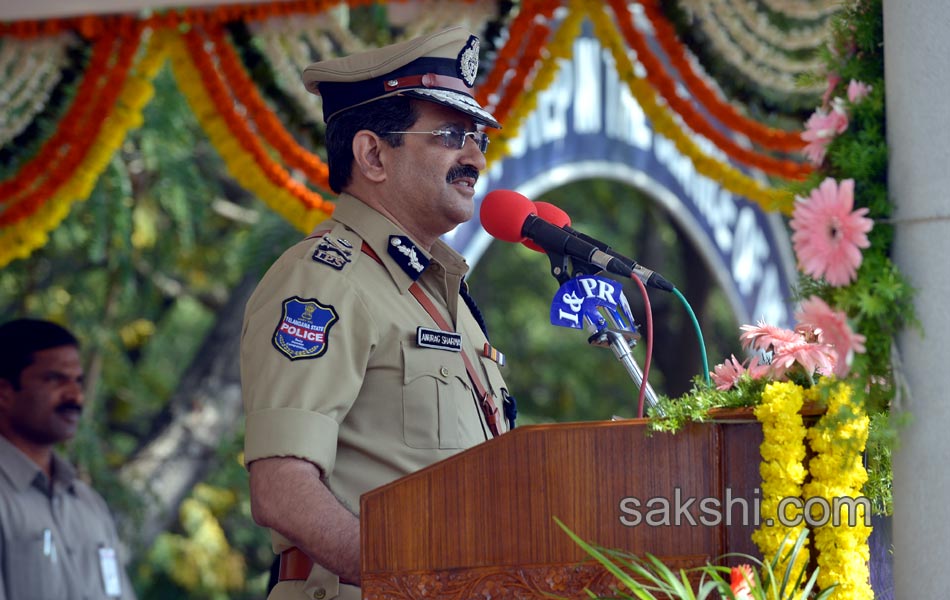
(621, 345)
(617, 338)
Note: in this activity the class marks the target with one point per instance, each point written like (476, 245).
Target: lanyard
(485, 401)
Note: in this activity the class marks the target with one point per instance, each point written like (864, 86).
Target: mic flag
(598, 299)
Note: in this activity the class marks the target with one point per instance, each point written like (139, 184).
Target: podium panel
(481, 523)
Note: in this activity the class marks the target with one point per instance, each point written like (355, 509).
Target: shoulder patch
(304, 328)
(335, 248)
(331, 254)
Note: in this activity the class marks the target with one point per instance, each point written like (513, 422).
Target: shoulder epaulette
(338, 247)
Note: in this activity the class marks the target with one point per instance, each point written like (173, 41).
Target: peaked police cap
(440, 67)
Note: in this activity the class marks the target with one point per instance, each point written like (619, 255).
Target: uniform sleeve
(306, 342)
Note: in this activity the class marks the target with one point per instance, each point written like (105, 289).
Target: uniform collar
(378, 232)
(23, 472)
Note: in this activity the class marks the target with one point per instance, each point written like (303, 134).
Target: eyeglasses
(455, 138)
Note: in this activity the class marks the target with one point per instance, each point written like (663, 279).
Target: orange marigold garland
(267, 123)
(83, 102)
(245, 159)
(666, 86)
(519, 105)
(21, 238)
(523, 32)
(91, 26)
(767, 137)
(665, 125)
(224, 105)
(526, 60)
(78, 135)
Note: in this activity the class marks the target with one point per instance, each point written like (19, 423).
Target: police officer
(362, 358)
(57, 537)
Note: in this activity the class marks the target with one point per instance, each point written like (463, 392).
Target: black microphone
(647, 276)
(554, 239)
(511, 217)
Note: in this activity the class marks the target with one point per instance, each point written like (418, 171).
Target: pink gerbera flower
(828, 235)
(820, 128)
(766, 337)
(834, 330)
(727, 374)
(814, 358)
(857, 91)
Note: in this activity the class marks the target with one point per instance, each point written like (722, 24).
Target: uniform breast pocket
(36, 567)
(434, 393)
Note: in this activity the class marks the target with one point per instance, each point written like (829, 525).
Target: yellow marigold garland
(559, 48)
(837, 472)
(270, 182)
(662, 81)
(19, 239)
(665, 125)
(240, 162)
(782, 470)
(267, 124)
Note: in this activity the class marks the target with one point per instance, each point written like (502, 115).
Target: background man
(57, 537)
(361, 358)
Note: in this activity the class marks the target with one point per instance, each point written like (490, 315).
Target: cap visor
(456, 100)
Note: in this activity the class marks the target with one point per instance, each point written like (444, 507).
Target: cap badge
(468, 61)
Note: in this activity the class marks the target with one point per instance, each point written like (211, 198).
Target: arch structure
(588, 125)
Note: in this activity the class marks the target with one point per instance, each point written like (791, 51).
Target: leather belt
(294, 565)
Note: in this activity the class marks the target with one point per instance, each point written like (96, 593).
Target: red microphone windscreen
(553, 215)
(503, 214)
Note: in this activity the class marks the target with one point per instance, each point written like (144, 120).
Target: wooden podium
(480, 524)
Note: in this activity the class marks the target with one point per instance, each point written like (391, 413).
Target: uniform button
(319, 594)
(444, 372)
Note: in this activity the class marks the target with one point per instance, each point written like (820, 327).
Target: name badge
(109, 567)
(438, 339)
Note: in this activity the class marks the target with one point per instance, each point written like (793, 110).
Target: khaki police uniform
(336, 370)
(53, 544)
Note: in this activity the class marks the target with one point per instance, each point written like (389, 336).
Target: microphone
(511, 217)
(647, 276)
(541, 226)
(553, 215)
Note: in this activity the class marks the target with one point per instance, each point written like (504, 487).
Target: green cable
(699, 333)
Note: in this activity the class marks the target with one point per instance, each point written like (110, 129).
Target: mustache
(69, 407)
(459, 171)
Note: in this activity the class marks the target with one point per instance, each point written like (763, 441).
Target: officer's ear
(367, 155)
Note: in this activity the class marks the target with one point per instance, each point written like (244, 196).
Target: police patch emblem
(304, 328)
